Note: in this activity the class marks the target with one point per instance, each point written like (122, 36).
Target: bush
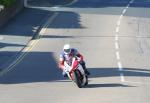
(7, 2)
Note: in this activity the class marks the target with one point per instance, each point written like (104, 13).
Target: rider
(67, 54)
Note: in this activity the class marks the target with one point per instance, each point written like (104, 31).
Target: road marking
(122, 77)
(29, 47)
(117, 45)
(117, 29)
(120, 67)
(120, 17)
(116, 38)
(73, 2)
(118, 55)
(118, 23)
(124, 11)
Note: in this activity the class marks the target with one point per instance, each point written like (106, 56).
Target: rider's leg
(84, 67)
(64, 73)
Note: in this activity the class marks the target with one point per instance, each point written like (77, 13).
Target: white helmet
(67, 49)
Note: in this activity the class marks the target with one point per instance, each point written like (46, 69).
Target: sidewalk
(17, 33)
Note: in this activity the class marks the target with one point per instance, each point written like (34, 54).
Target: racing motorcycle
(75, 72)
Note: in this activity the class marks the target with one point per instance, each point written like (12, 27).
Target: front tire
(77, 78)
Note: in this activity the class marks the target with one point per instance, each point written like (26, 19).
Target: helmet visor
(67, 50)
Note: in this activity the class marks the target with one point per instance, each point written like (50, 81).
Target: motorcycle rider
(67, 54)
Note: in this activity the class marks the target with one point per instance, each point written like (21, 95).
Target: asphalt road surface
(113, 36)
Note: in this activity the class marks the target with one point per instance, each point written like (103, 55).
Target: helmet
(67, 49)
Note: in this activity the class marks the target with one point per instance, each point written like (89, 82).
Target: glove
(79, 59)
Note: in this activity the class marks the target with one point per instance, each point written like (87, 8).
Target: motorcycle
(75, 72)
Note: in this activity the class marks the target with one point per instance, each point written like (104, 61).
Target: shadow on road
(89, 3)
(42, 67)
(106, 85)
(2, 45)
(113, 72)
(110, 3)
(25, 23)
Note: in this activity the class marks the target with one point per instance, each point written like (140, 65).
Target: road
(113, 35)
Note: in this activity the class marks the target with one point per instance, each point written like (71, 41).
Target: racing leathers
(68, 58)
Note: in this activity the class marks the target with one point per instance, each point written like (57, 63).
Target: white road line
(118, 55)
(117, 29)
(120, 17)
(74, 1)
(120, 66)
(117, 45)
(131, 1)
(127, 6)
(124, 11)
(116, 38)
(122, 77)
(118, 23)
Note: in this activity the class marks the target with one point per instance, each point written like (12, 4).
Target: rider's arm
(80, 56)
(61, 62)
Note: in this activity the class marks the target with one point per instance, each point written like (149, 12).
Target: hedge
(7, 2)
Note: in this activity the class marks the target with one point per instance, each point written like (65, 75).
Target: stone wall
(7, 13)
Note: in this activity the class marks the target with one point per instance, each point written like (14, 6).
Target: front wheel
(86, 83)
(77, 78)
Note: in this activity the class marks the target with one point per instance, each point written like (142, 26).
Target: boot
(85, 70)
(64, 74)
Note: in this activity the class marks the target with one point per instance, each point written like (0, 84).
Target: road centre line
(117, 29)
(118, 23)
(117, 45)
(122, 77)
(118, 55)
(120, 67)
(116, 38)
(124, 11)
